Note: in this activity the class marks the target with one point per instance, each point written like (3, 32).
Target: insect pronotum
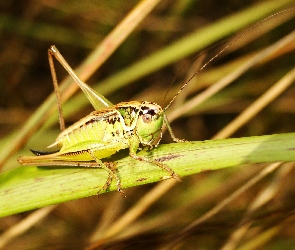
(105, 131)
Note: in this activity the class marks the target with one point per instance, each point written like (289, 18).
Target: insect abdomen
(95, 131)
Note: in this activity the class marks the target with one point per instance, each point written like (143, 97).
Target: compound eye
(147, 118)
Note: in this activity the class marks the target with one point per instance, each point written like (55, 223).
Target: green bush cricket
(103, 132)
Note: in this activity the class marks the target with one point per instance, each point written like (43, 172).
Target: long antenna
(219, 53)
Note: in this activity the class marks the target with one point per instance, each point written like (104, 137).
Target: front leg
(171, 132)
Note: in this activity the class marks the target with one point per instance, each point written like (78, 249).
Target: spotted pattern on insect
(112, 120)
(130, 115)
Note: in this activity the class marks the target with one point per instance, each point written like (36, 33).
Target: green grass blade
(27, 188)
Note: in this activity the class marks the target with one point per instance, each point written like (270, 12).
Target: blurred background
(28, 28)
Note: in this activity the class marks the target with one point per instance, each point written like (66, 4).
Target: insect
(104, 131)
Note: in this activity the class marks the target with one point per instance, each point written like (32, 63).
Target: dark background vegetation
(28, 28)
